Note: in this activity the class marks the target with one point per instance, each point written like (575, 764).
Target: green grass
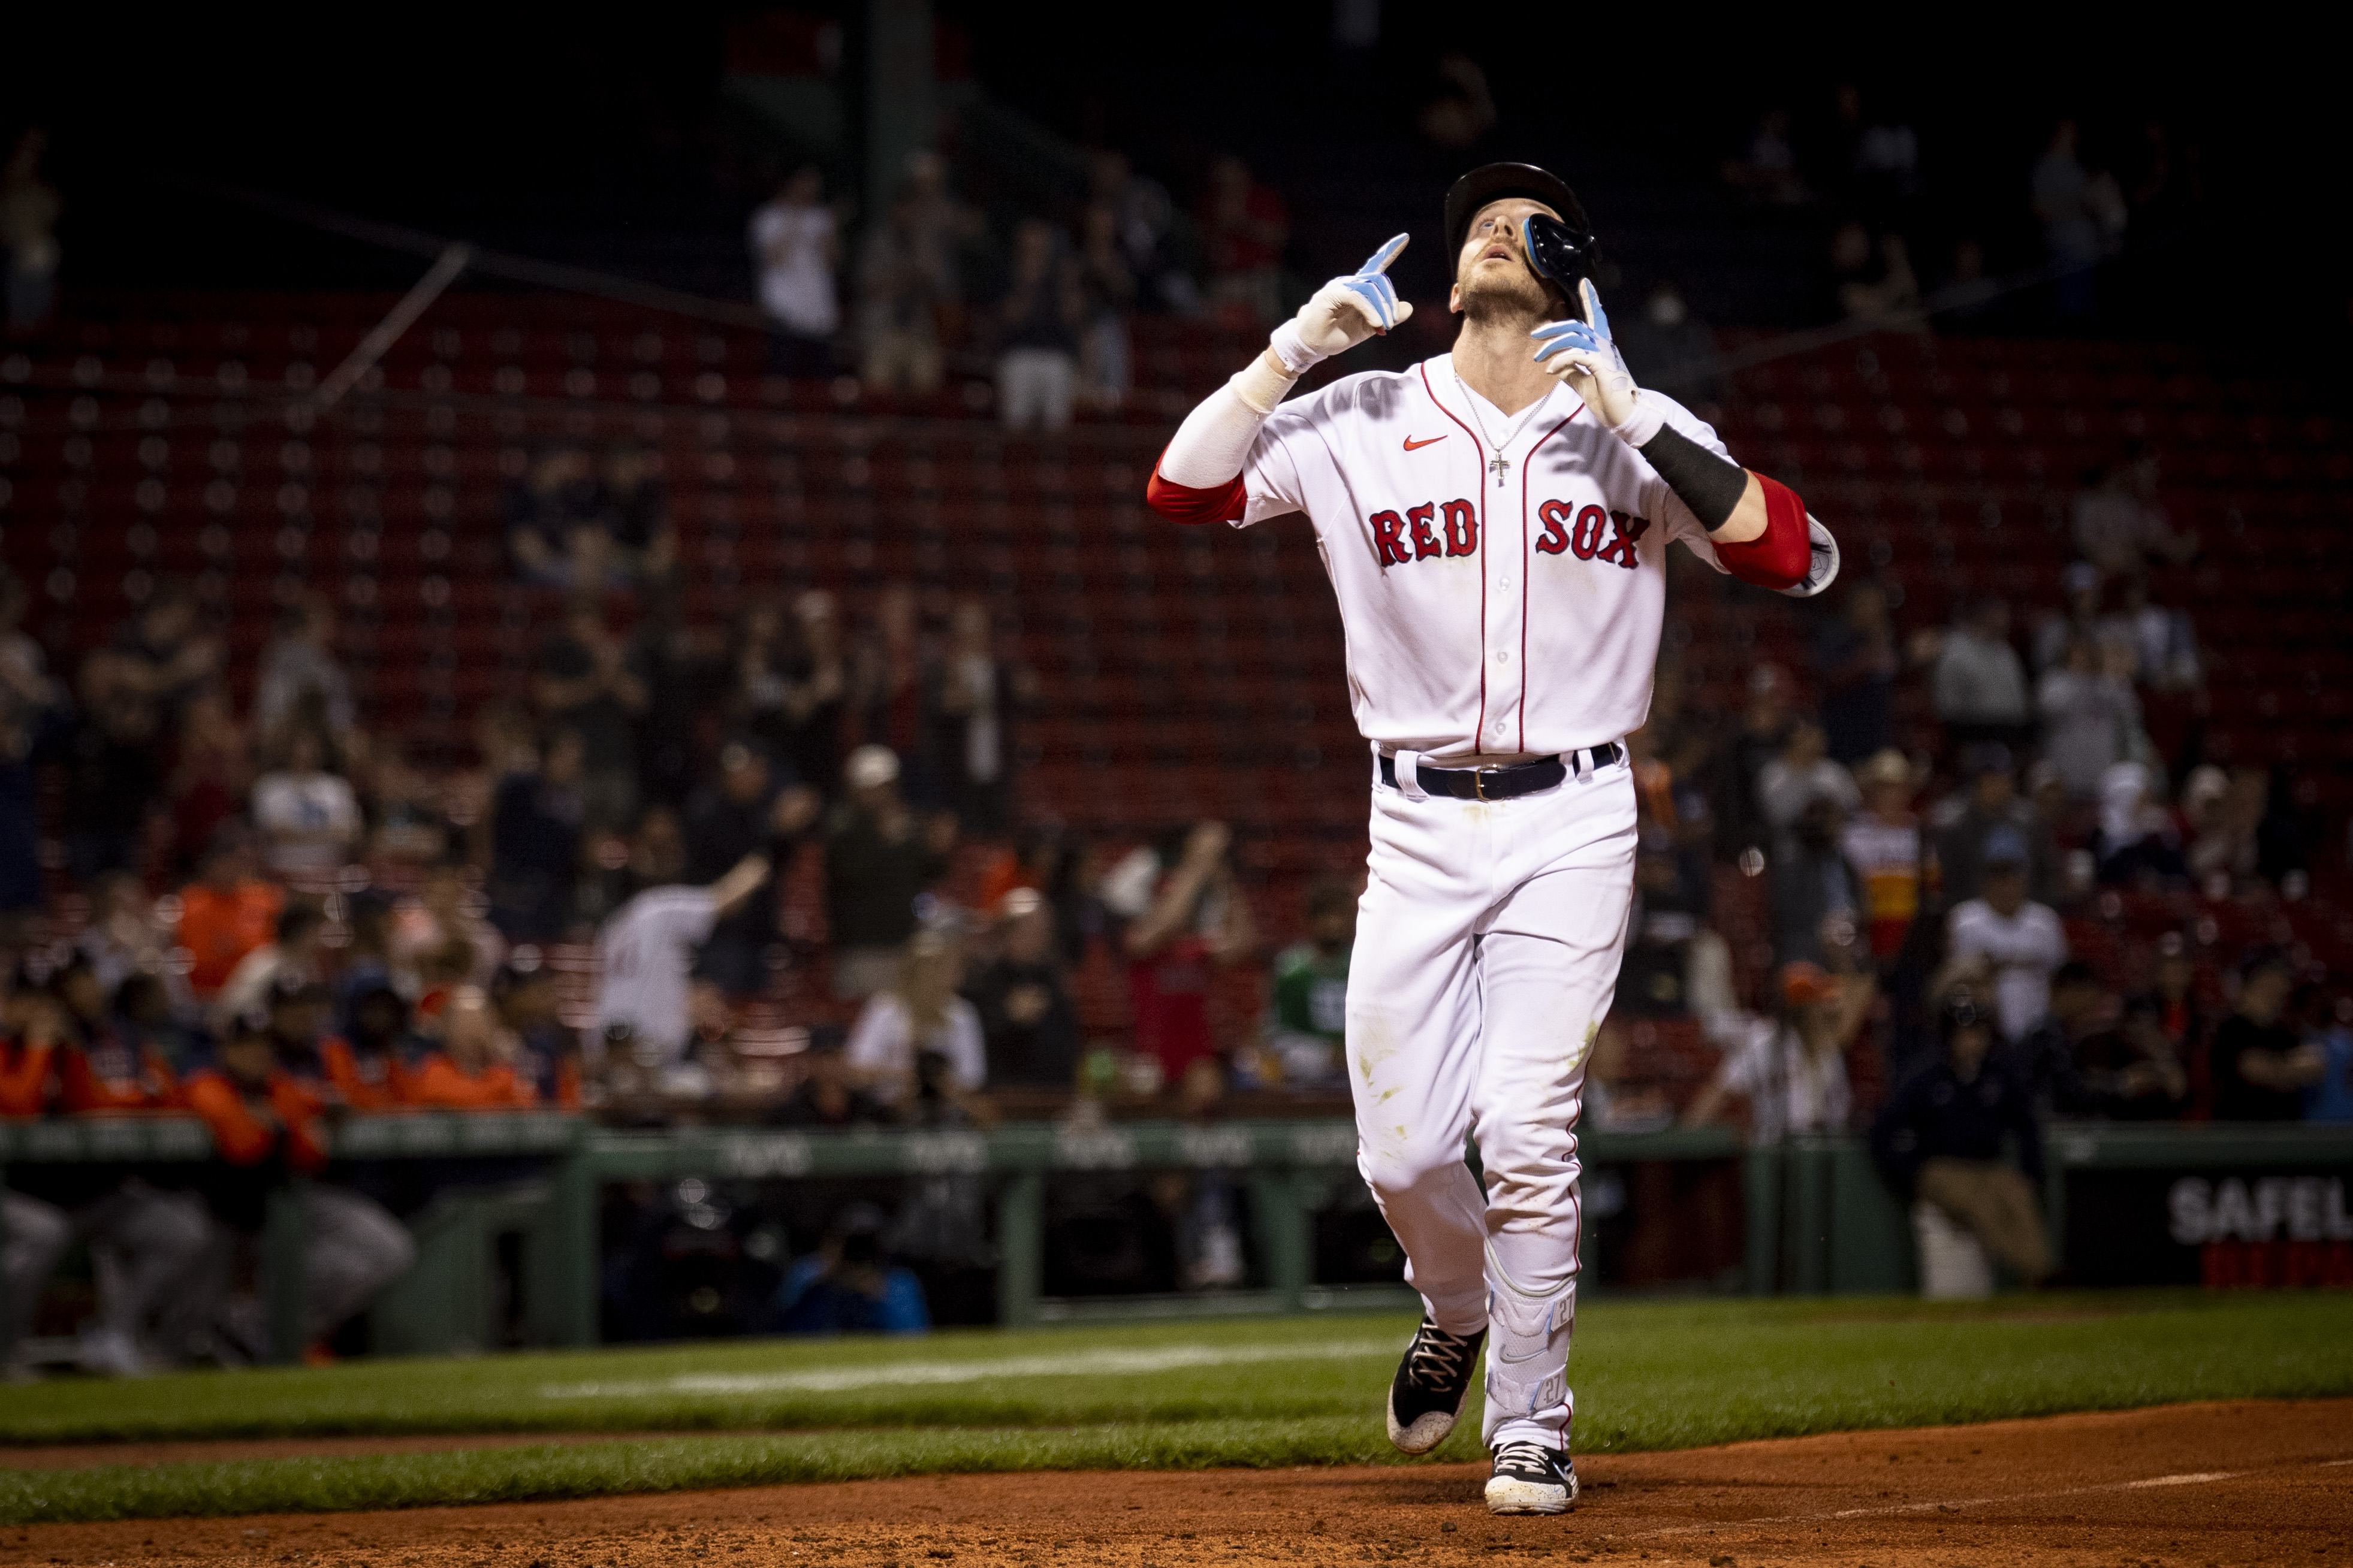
(1292, 1391)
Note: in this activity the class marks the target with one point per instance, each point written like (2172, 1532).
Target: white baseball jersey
(647, 954)
(1497, 603)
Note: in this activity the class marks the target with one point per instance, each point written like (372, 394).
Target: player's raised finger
(1379, 260)
(1594, 313)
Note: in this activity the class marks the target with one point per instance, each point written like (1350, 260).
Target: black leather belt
(1495, 783)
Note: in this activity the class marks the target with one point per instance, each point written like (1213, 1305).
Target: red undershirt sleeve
(1182, 503)
(1778, 557)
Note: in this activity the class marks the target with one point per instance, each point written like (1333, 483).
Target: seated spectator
(266, 1127)
(1965, 824)
(644, 957)
(226, 913)
(744, 813)
(2328, 1024)
(1940, 1139)
(1819, 899)
(1802, 773)
(2019, 942)
(1038, 321)
(475, 1067)
(2091, 718)
(592, 684)
(296, 954)
(547, 1050)
(555, 525)
(2261, 1068)
(635, 505)
(2164, 643)
(830, 1094)
(102, 1066)
(369, 1063)
(1029, 1026)
(125, 936)
(1978, 686)
(2135, 843)
(1883, 842)
(306, 812)
(848, 1285)
(2048, 1059)
(152, 1024)
(535, 839)
(878, 859)
(2132, 1072)
(1186, 916)
(2120, 527)
(1791, 1068)
(1856, 663)
(795, 246)
(918, 1013)
(1309, 1027)
(300, 673)
(902, 285)
(443, 909)
(1244, 228)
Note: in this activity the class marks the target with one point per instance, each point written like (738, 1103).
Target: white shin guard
(1527, 1355)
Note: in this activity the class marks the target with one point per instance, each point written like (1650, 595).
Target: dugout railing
(2128, 1205)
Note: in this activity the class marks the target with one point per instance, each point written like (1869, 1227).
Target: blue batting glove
(1370, 282)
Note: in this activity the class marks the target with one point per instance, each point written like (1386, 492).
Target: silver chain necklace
(1498, 465)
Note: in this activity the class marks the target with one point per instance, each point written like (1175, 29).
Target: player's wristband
(1261, 386)
(1289, 346)
(1641, 426)
(1711, 486)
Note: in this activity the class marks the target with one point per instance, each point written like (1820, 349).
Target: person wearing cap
(880, 858)
(1790, 1068)
(1989, 802)
(1883, 843)
(1028, 1022)
(2018, 942)
(1940, 1136)
(1977, 686)
(368, 1062)
(849, 1285)
(1496, 522)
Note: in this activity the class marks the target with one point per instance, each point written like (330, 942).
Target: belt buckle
(1479, 783)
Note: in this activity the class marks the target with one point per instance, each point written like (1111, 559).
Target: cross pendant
(1498, 463)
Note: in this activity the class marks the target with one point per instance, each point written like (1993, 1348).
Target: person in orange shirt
(475, 1067)
(226, 912)
(102, 1067)
(267, 1126)
(370, 1065)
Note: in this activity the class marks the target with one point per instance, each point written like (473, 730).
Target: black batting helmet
(1493, 183)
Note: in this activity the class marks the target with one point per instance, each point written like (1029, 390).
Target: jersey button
(1503, 659)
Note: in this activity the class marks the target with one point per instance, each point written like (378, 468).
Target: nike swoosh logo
(1509, 1359)
(1413, 446)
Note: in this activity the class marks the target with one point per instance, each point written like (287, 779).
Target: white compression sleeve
(1209, 447)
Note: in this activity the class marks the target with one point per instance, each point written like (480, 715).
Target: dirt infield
(2188, 1485)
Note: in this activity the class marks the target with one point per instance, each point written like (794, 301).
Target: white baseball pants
(1487, 949)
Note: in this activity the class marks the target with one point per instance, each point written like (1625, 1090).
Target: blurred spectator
(888, 688)
(306, 812)
(684, 667)
(1028, 1023)
(1876, 281)
(1765, 171)
(1143, 216)
(1308, 1026)
(973, 718)
(1464, 109)
(904, 283)
(475, 1067)
(123, 937)
(29, 209)
(444, 910)
(789, 685)
(2164, 642)
(114, 770)
(535, 835)
(547, 1050)
(1967, 295)
(2329, 1026)
(1979, 685)
(1790, 1068)
(919, 1014)
(1765, 724)
(645, 956)
(743, 813)
(1819, 899)
(1885, 171)
(2118, 524)
(301, 663)
(295, 956)
(2172, 997)
(878, 859)
(369, 1062)
(848, 1285)
(2261, 1068)
(2018, 942)
(555, 521)
(1883, 842)
(2225, 814)
(2091, 718)
(1039, 321)
(1940, 1140)
(2077, 620)
(2135, 843)
(1669, 347)
(2082, 214)
(211, 780)
(1675, 966)
(1801, 774)
(796, 245)
(226, 912)
(1245, 227)
(1856, 662)
(591, 683)
(1185, 915)
(1989, 803)
(830, 1094)
(635, 501)
(407, 812)
(2132, 1072)
(265, 1127)
(31, 704)
(2049, 1058)
(1108, 284)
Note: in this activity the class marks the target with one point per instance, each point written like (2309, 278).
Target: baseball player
(1494, 521)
